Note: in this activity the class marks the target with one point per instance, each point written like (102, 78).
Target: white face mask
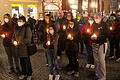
(52, 31)
(20, 24)
(97, 20)
(91, 22)
(6, 20)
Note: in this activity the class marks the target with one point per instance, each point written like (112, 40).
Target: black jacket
(44, 35)
(115, 33)
(102, 32)
(72, 45)
(8, 30)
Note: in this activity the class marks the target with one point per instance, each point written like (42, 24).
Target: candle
(94, 35)
(15, 43)
(48, 43)
(47, 30)
(69, 36)
(88, 30)
(3, 35)
(111, 28)
(64, 27)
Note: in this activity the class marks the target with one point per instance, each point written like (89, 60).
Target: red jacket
(86, 34)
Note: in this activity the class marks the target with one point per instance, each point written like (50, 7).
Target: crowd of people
(64, 34)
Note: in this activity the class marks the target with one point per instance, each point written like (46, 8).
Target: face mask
(78, 18)
(51, 31)
(20, 24)
(97, 20)
(6, 20)
(112, 18)
(118, 14)
(90, 21)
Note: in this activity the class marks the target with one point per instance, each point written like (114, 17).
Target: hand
(58, 57)
(15, 43)
(93, 38)
(48, 43)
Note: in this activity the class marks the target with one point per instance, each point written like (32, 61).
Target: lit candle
(48, 42)
(15, 43)
(88, 30)
(47, 30)
(69, 36)
(111, 28)
(64, 27)
(94, 35)
(3, 35)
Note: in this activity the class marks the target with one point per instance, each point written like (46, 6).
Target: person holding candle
(114, 39)
(99, 37)
(7, 32)
(61, 36)
(48, 32)
(72, 39)
(86, 33)
(21, 38)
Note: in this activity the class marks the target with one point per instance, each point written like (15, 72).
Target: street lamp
(71, 1)
(93, 5)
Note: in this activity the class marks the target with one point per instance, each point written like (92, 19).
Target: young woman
(48, 35)
(86, 33)
(22, 38)
(7, 32)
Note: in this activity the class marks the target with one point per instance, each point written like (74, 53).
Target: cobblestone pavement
(41, 72)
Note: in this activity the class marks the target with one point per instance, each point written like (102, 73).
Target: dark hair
(47, 15)
(22, 18)
(9, 17)
(70, 14)
(113, 15)
(10, 23)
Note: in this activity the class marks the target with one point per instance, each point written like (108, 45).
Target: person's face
(91, 21)
(97, 19)
(118, 13)
(47, 18)
(68, 17)
(6, 19)
(60, 15)
(21, 22)
(15, 16)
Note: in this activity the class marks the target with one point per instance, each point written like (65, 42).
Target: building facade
(21, 7)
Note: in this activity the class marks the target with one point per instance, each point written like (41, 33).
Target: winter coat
(23, 36)
(8, 30)
(115, 32)
(44, 34)
(72, 45)
(102, 32)
(87, 35)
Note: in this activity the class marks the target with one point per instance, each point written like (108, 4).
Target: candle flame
(48, 42)
(64, 27)
(88, 30)
(94, 35)
(69, 35)
(111, 28)
(47, 30)
(15, 43)
(3, 35)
